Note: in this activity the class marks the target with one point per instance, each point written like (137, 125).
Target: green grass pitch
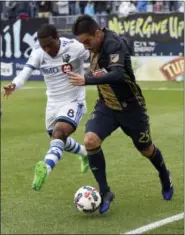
(132, 177)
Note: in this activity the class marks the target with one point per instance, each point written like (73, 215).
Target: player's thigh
(71, 113)
(136, 125)
(101, 124)
(50, 119)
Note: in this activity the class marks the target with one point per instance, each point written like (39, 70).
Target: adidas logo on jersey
(43, 62)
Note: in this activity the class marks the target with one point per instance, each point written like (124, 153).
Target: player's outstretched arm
(113, 77)
(17, 82)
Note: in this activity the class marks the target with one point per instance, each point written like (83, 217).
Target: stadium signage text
(149, 26)
(17, 38)
(13, 40)
(173, 68)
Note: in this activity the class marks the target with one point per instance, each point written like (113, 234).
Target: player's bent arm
(32, 64)
(22, 77)
(116, 52)
(115, 76)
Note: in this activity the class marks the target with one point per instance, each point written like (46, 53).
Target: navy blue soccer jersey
(114, 56)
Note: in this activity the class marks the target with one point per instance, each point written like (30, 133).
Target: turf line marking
(93, 88)
(156, 224)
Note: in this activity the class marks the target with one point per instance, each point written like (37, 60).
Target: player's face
(50, 45)
(91, 42)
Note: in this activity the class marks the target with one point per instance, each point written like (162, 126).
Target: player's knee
(62, 131)
(59, 133)
(148, 152)
(91, 141)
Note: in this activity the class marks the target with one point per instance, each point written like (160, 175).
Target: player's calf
(74, 147)
(156, 158)
(98, 168)
(60, 133)
(43, 168)
(52, 157)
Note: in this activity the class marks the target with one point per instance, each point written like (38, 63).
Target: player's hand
(76, 79)
(8, 89)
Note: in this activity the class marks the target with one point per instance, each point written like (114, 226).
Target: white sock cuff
(57, 143)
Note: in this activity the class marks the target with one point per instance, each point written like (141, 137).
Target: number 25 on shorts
(144, 137)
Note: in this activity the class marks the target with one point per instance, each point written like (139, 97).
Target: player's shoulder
(68, 41)
(36, 45)
(112, 41)
(72, 45)
(37, 50)
(64, 41)
(71, 42)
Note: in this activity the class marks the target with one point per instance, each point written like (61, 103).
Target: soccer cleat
(84, 164)
(107, 198)
(167, 186)
(40, 175)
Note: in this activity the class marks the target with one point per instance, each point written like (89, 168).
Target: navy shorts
(133, 120)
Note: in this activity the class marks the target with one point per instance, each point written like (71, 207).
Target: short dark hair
(47, 30)
(85, 24)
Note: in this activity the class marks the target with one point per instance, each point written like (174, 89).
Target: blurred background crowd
(31, 9)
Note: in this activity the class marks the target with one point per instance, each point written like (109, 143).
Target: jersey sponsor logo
(114, 58)
(50, 70)
(66, 68)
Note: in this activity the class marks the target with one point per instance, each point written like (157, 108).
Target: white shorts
(69, 112)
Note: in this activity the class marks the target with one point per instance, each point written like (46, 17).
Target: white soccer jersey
(70, 57)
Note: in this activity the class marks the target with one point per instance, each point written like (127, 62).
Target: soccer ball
(87, 199)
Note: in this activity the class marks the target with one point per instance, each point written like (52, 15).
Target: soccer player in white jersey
(65, 103)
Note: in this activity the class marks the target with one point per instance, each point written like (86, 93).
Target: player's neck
(101, 39)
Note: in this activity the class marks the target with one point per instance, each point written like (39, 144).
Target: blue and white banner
(17, 40)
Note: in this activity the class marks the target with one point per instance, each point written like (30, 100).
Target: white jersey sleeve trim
(30, 66)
